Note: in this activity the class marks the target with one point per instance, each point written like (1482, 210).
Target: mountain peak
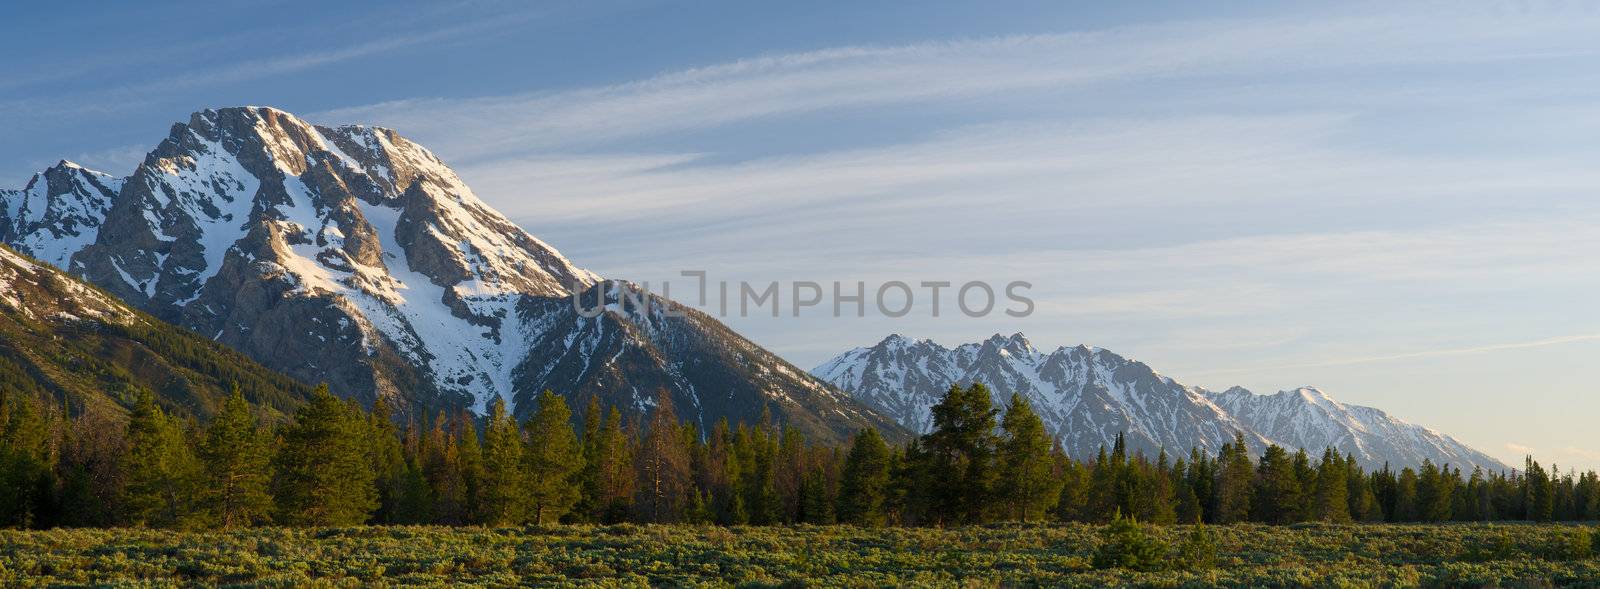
(353, 256)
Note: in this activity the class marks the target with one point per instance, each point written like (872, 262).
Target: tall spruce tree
(238, 467)
(864, 487)
(503, 498)
(554, 460)
(1235, 479)
(961, 448)
(1028, 487)
(25, 478)
(387, 459)
(1331, 501)
(324, 471)
(1277, 488)
(1537, 495)
(162, 472)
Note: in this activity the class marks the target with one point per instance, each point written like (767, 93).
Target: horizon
(1368, 200)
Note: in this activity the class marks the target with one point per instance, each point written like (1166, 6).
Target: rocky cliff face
(1086, 396)
(353, 256)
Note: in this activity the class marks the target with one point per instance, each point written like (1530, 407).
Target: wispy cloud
(869, 76)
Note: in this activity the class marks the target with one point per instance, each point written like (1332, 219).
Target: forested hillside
(67, 342)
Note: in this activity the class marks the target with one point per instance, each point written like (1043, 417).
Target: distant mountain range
(352, 256)
(1086, 396)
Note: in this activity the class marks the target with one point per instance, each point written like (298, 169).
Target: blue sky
(1396, 204)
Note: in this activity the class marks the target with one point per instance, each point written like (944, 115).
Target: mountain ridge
(1087, 396)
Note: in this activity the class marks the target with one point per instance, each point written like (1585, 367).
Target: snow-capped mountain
(1307, 417)
(353, 256)
(1087, 395)
(58, 213)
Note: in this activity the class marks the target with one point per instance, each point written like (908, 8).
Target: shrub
(1198, 550)
(1125, 544)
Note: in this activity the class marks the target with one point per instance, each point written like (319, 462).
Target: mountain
(353, 256)
(64, 340)
(1308, 418)
(1086, 396)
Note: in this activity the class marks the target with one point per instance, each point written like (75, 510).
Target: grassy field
(1008, 555)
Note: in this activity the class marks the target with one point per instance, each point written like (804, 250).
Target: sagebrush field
(828, 556)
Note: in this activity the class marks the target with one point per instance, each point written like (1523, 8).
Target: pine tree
(589, 500)
(387, 459)
(1434, 490)
(663, 464)
(1071, 503)
(1277, 489)
(324, 472)
(1405, 497)
(554, 459)
(162, 472)
(961, 448)
(469, 462)
(1105, 475)
(25, 479)
(788, 474)
(1537, 494)
(1331, 502)
(502, 499)
(238, 462)
(1235, 478)
(448, 499)
(1028, 487)
(864, 487)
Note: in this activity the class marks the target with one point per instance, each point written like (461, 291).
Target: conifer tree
(1331, 501)
(1277, 491)
(162, 472)
(1072, 504)
(448, 497)
(663, 464)
(788, 474)
(1154, 501)
(589, 477)
(1105, 476)
(503, 497)
(387, 459)
(324, 471)
(1405, 497)
(1028, 488)
(554, 459)
(1434, 491)
(863, 489)
(961, 448)
(237, 458)
(1537, 496)
(469, 463)
(1235, 478)
(25, 479)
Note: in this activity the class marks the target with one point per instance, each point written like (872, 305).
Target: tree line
(335, 463)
